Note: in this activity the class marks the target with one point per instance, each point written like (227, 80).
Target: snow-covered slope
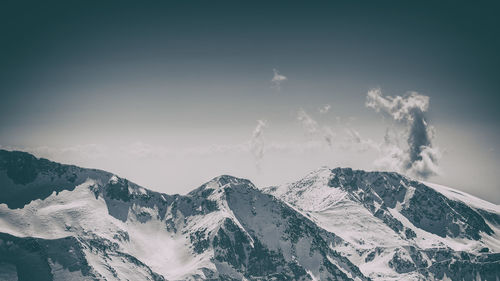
(60, 222)
(398, 228)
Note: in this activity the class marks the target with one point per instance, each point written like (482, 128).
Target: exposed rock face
(400, 228)
(106, 227)
(426, 208)
(61, 222)
(24, 178)
(60, 259)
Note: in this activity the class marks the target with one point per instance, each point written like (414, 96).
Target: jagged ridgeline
(401, 229)
(62, 222)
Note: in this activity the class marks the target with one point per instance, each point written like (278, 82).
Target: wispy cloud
(257, 144)
(313, 129)
(86, 151)
(324, 109)
(355, 141)
(309, 125)
(278, 79)
(419, 158)
(131, 151)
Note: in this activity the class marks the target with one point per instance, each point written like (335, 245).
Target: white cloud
(427, 165)
(419, 158)
(86, 151)
(324, 109)
(354, 140)
(314, 130)
(399, 108)
(308, 123)
(278, 79)
(257, 144)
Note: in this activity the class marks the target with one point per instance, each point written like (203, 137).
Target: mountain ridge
(382, 222)
(217, 238)
(334, 224)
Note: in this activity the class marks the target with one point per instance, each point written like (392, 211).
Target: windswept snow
(468, 199)
(371, 242)
(311, 193)
(332, 223)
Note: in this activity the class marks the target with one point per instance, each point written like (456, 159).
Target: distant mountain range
(62, 222)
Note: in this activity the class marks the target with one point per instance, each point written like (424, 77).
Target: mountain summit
(62, 222)
(398, 228)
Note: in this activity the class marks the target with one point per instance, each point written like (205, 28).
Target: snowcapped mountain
(397, 228)
(62, 222)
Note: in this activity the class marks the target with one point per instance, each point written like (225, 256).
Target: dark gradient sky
(182, 74)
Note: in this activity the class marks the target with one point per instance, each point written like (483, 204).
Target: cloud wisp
(313, 129)
(257, 144)
(309, 125)
(278, 79)
(324, 109)
(419, 158)
(355, 141)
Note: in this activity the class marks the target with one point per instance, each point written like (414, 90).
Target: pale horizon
(173, 95)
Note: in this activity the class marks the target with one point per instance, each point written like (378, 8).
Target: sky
(170, 94)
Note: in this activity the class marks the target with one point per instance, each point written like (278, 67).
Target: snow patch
(113, 179)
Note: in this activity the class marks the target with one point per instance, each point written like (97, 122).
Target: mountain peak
(385, 216)
(222, 183)
(333, 224)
